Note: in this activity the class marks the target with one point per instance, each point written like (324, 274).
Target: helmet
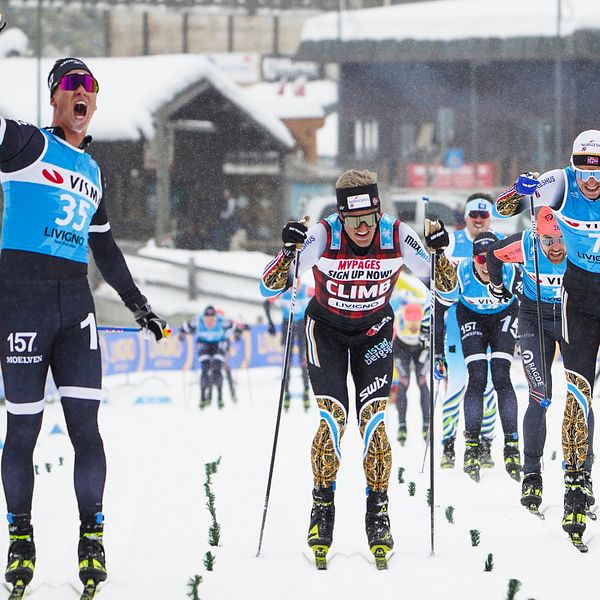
(545, 223)
(210, 311)
(413, 313)
(586, 148)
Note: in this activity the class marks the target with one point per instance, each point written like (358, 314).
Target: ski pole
(545, 403)
(118, 329)
(284, 374)
(431, 393)
(438, 385)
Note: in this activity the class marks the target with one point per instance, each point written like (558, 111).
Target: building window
(366, 139)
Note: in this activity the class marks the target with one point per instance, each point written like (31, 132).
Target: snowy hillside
(158, 442)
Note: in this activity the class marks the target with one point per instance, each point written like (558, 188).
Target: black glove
(499, 292)
(150, 322)
(272, 329)
(436, 236)
(293, 233)
(2, 22)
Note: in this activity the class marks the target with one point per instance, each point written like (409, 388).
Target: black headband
(357, 198)
(584, 160)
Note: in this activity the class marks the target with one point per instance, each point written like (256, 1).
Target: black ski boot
(485, 453)
(205, 397)
(448, 456)
(21, 551)
(306, 401)
(286, 401)
(92, 563)
(377, 525)
(574, 520)
(512, 458)
(320, 530)
(588, 490)
(402, 434)
(531, 492)
(472, 464)
(425, 432)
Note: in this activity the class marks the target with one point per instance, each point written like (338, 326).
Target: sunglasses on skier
(480, 259)
(72, 81)
(584, 175)
(550, 240)
(479, 214)
(369, 220)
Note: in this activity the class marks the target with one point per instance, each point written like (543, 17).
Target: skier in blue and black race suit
(356, 255)
(54, 208)
(519, 248)
(477, 213)
(212, 332)
(284, 301)
(487, 322)
(573, 193)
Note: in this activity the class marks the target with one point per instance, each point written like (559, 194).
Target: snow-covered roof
(295, 99)
(131, 91)
(444, 20)
(13, 41)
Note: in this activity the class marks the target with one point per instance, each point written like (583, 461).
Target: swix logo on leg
(377, 327)
(373, 387)
(54, 177)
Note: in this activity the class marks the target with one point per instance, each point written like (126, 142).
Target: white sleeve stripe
(99, 228)
(2, 128)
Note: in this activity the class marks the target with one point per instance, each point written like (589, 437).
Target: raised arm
(508, 250)
(547, 190)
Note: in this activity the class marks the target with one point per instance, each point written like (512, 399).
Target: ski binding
(89, 589)
(577, 541)
(18, 590)
(379, 552)
(320, 553)
(534, 509)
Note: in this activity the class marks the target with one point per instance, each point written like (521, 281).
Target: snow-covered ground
(158, 441)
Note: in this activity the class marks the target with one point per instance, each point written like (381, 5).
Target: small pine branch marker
(214, 534)
(429, 497)
(475, 535)
(489, 563)
(553, 455)
(412, 488)
(400, 474)
(193, 584)
(450, 514)
(514, 585)
(209, 561)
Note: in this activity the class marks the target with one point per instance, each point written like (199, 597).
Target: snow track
(157, 521)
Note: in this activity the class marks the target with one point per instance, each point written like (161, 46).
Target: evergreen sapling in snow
(193, 584)
(514, 585)
(400, 474)
(489, 563)
(450, 514)
(475, 535)
(412, 488)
